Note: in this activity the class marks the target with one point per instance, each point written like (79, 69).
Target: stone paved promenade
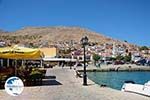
(67, 87)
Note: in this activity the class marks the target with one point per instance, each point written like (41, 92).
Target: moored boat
(137, 88)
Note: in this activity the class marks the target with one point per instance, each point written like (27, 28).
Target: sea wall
(116, 68)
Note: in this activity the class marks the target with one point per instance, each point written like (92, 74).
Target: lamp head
(84, 40)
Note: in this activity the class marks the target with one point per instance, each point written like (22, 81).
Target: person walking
(75, 66)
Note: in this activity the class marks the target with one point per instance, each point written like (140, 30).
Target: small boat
(137, 88)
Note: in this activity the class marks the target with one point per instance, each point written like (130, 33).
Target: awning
(17, 52)
(59, 59)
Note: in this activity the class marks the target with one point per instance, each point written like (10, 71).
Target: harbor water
(115, 80)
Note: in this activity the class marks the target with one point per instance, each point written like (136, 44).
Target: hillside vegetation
(38, 36)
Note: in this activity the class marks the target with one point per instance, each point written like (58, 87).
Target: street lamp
(84, 42)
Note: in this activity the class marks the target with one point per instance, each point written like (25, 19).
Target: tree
(143, 48)
(112, 58)
(96, 58)
(119, 57)
(127, 58)
(125, 41)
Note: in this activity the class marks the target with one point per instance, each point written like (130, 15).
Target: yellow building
(49, 52)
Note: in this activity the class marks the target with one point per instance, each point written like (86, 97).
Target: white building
(118, 50)
(136, 57)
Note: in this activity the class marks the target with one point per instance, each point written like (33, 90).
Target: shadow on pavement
(46, 81)
(90, 84)
(50, 82)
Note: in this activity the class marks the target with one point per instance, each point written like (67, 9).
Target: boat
(137, 88)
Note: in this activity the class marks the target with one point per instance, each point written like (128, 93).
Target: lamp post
(84, 42)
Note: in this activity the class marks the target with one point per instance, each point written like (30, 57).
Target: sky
(120, 19)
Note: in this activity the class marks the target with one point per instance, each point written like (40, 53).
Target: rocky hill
(50, 35)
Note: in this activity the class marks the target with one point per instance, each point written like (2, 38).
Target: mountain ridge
(54, 34)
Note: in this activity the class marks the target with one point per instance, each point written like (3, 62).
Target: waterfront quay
(66, 86)
(111, 67)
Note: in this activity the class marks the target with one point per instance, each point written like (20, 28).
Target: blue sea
(115, 80)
